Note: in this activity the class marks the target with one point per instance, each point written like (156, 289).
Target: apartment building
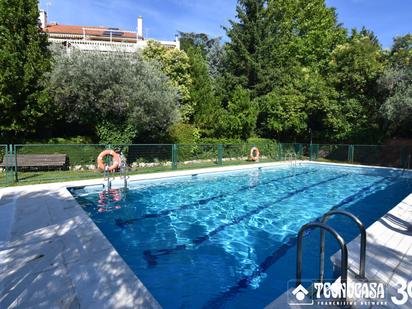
(99, 38)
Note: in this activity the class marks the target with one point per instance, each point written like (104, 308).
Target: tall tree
(216, 56)
(211, 48)
(24, 59)
(204, 101)
(244, 51)
(315, 32)
(239, 119)
(193, 39)
(401, 52)
(397, 107)
(295, 56)
(355, 67)
(175, 64)
(396, 88)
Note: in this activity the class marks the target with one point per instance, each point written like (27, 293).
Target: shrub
(222, 140)
(183, 133)
(261, 141)
(110, 133)
(64, 140)
(94, 89)
(188, 137)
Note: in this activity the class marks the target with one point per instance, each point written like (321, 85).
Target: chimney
(43, 19)
(140, 27)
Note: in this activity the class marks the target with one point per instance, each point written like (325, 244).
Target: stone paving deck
(54, 256)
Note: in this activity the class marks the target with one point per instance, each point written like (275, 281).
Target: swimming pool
(228, 239)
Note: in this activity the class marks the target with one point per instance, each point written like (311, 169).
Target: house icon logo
(300, 292)
(299, 295)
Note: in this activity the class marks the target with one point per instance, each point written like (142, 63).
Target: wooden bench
(36, 161)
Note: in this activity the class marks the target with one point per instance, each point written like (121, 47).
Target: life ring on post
(254, 154)
(116, 160)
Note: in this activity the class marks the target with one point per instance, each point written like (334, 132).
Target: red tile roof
(90, 30)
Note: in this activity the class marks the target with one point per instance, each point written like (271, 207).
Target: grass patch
(29, 178)
(2, 178)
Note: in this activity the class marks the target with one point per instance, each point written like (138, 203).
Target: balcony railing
(92, 45)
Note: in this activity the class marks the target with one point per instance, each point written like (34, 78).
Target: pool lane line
(277, 254)
(151, 255)
(122, 223)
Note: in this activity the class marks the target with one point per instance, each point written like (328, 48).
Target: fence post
(6, 164)
(310, 152)
(313, 152)
(280, 150)
(10, 164)
(220, 154)
(298, 149)
(14, 155)
(174, 157)
(351, 150)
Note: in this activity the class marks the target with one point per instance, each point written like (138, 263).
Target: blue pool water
(228, 240)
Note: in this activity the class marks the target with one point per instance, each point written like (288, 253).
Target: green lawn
(36, 177)
(2, 178)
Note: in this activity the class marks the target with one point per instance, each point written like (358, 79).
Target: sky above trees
(163, 18)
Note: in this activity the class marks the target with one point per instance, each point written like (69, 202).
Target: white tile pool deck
(53, 255)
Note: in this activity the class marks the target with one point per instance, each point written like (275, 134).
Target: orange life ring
(116, 160)
(254, 154)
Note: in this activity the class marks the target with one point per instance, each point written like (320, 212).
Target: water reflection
(109, 200)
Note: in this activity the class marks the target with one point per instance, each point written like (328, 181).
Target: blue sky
(162, 18)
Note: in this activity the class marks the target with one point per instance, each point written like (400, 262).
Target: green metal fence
(25, 163)
(4, 172)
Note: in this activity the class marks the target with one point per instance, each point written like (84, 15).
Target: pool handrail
(340, 240)
(362, 229)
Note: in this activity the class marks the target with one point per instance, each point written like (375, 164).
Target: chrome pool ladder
(108, 178)
(322, 225)
(107, 182)
(292, 159)
(123, 173)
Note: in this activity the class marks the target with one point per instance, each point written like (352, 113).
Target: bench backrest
(35, 160)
